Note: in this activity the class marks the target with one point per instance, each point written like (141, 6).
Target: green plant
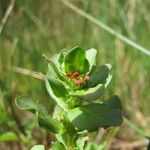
(75, 83)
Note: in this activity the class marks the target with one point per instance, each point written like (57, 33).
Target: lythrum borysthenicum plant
(76, 84)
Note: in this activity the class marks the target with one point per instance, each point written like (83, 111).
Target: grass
(47, 27)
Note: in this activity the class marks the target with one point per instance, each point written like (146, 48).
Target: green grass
(47, 27)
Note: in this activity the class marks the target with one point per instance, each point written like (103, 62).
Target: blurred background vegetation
(36, 27)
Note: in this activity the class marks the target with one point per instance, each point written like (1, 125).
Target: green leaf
(3, 116)
(55, 60)
(113, 102)
(30, 124)
(51, 73)
(75, 61)
(93, 93)
(91, 117)
(91, 57)
(57, 146)
(38, 147)
(8, 136)
(99, 76)
(62, 56)
(89, 94)
(58, 111)
(29, 104)
(54, 68)
(44, 120)
(81, 142)
(57, 91)
(73, 102)
(49, 124)
(61, 60)
(58, 88)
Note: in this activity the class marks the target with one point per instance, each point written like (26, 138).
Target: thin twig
(37, 75)
(106, 28)
(6, 15)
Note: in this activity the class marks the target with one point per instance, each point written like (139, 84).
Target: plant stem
(6, 15)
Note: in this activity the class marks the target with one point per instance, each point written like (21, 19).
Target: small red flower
(76, 75)
(68, 75)
(77, 79)
(80, 81)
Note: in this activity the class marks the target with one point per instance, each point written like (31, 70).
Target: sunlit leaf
(75, 61)
(89, 94)
(91, 57)
(81, 142)
(54, 68)
(62, 56)
(57, 88)
(57, 91)
(57, 146)
(38, 147)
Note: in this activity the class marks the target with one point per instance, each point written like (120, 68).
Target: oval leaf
(57, 146)
(75, 61)
(91, 57)
(38, 147)
(57, 91)
(62, 56)
(91, 117)
(113, 102)
(54, 68)
(99, 76)
(29, 104)
(89, 94)
(49, 124)
(44, 120)
(57, 87)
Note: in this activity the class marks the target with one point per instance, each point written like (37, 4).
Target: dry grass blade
(6, 15)
(27, 72)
